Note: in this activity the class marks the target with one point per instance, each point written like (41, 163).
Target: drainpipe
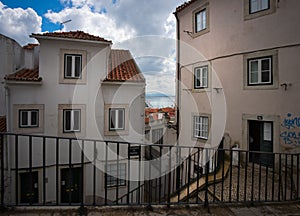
(7, 146)
(178, 75)
(178, 96)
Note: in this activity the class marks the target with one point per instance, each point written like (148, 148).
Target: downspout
(178, 76)
(178, 97)
(7, 146)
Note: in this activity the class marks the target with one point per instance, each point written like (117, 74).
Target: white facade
(54, 96)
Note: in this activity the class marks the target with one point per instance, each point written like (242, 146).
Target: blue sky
(141, 26)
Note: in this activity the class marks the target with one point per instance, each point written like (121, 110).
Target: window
(73, 66)
(258, 8)
(201, 127)
(258, 5)
(201, 77)
(158, 136)
(71, 120)
(200, 20)
(116, 119)
(28, 118)
(260, 71)
(115, 175)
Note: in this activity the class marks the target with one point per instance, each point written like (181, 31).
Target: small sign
(134, 151)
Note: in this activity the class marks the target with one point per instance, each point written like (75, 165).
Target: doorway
(261, 140)
(71, 185)
(29, 187)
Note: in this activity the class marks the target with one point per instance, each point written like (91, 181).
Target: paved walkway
(292, 209)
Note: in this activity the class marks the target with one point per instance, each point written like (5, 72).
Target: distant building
(248, 53)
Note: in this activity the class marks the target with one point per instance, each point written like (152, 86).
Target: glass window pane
(34, 118)
(265, 77)
(24, 118)
(253, 77)
(200, 20)
(121, 119)
(112, 119)
(77, 66)
(68, 66)
(264, 4)
(254, 66)
(67, 120)
(76, 120)
(265, 64)
(204, 19)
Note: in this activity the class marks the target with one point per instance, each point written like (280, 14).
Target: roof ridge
(77, 35)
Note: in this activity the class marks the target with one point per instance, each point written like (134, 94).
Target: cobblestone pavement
(291, 209)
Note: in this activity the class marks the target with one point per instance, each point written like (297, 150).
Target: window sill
(201, 90)
(202, 32)
(261, 87)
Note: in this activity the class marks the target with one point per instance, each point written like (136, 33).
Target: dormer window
(73, 66)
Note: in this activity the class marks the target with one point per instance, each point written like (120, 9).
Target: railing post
(206, 203)
(2, 169)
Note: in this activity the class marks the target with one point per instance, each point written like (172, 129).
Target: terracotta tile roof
(123, 67)
(184, 5)
(30, 46)
(25, 75)
(79, 35)
(2, 124)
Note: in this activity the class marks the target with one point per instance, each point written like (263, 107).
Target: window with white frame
(200, 20)
(201, 127)
(201, 77)
(115, 174)
(73, 66)
(28, 118)
(71, 120)
(260, 71)
(258, 5)
(116, 119)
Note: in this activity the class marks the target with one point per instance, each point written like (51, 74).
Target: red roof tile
(25, 75)
(123, 67)
(2, 124)
(184, 5)
(30, 46)
(79, 35)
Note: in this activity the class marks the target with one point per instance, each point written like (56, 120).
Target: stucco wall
(224, 47)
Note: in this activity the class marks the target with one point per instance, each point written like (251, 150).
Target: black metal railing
(45, 170)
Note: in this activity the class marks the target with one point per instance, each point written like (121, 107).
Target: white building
(73, 85)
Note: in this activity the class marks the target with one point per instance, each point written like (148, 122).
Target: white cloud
(83, 18)
(19, 23)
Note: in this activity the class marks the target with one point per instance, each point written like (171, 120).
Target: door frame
(265, 118)
(60, 179)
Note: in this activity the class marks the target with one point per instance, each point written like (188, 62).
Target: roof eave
(69, 39)
(22, 82)
(125, 82)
